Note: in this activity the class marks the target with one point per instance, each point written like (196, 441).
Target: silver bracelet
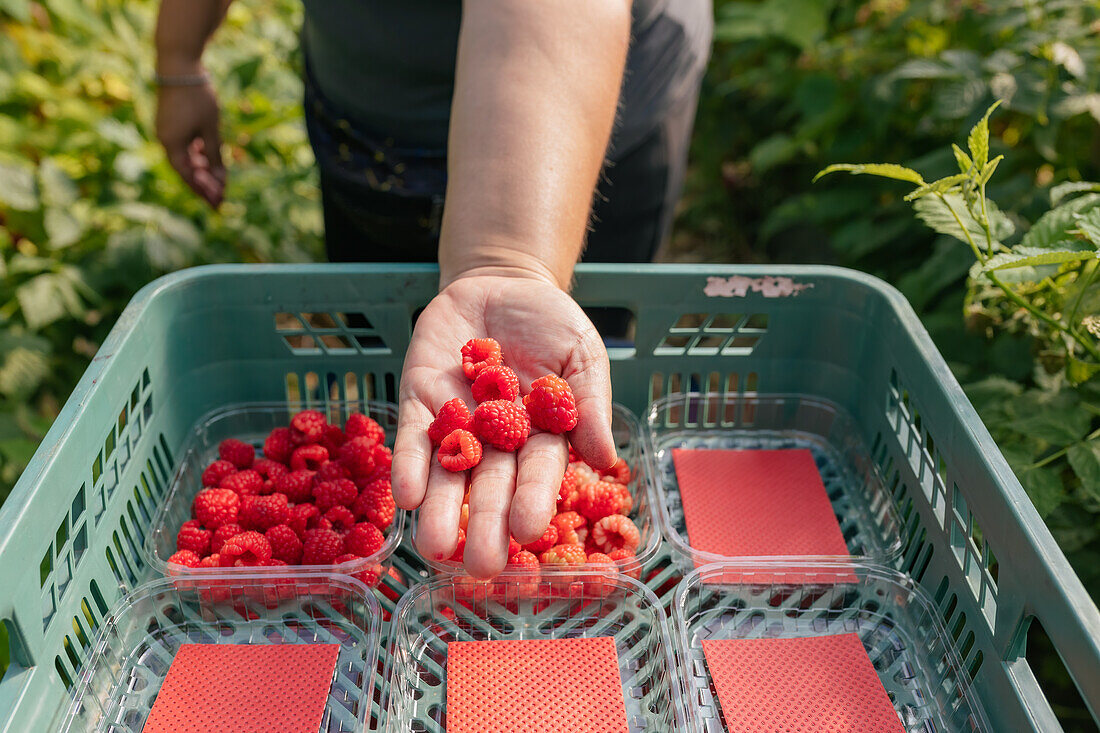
(181, 80)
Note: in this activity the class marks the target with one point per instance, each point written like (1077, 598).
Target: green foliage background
(90, 210)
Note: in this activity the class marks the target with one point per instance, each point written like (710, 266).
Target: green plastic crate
(71, 533)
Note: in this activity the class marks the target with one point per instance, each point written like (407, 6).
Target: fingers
(412, 453)
(541, 464)
(590, 379)
(487, 531)
(437, 522)
(211, 143)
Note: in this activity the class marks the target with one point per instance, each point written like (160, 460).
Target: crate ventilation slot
(329, 333)
(713, 334)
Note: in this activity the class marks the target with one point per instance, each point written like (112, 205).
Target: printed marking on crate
(739, 286)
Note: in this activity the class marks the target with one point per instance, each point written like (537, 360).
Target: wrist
(500, 260)
(176, 64)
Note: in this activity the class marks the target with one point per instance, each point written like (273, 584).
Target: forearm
(536, 86)
(183, 28)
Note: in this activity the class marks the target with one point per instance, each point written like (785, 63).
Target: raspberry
(503, 425)
(460, 547)
(569, 495)
(341, 517)
(564, 555)
(616, 532)
(296, 485)
(346, 557)
(619, 472)
(549, 539)
(459, 451)
(186, 558)
(322, 523)
(375, 504)
(383, 459)
(357, 455)
(191, 523)
(246, 549)
(216, 471)
(568, 520)
(332, 470)
(279, 445)
(285, 544)
(237, 452)
(322, 547)
(464, 515)
(340, 492)
(215, 507)
(272, 563)
(308, 426)
(524, 560)
(513, 546)
(359, 425)
(264, 512)
(333, 438)
(194, 538)
(551, 405)
(364, 539)
(478, 354)
(599, 500)
(626, 499)
(598, 558)
(243, 483)
(627, 562)
(454, 415)
(308, 457)
(495, 383)
(303, 517)
(223, 533)
(211, 561)
(585, 474)
(269, 469)
(571, 536)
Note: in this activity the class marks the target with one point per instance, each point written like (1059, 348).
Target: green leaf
(1068, 251)
(935, 214)
(965, 164)
(978, 140)
(23, 365)
(62, 228)
(1044, 487)
(1062, 190)
(47, 298)
(17, 188)
(1079, 372)
(989, 170)
(1054, 226)
(1057, 426)
(882, 170)
(57, 188)
(1089, 226)
(1084, 458)
(18, 9)
(941, 186)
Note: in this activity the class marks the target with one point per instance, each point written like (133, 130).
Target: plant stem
(1058, 454)
(1086, 282)
(1023, 303)
(966, 232)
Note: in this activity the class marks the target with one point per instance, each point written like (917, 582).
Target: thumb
(589, 376)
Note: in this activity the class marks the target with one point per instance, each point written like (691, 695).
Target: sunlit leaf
(882, 170)
(1067, 251)
(943, 185)
(1062, 190)
(978, 140)
(1084, 458)
(1054, 225)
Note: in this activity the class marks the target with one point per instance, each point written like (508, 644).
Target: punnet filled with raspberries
(306, 492)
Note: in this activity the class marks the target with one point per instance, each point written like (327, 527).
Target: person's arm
(187, 113)
(536, 89)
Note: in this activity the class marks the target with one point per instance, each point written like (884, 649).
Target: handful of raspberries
(318, 494)
(592, 525)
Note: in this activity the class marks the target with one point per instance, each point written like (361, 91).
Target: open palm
(541, 330)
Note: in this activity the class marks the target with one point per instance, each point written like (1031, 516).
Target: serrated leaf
(47, 298)
(1054, 225)
(17, 187)
(62, 228)
(989, 170)
(943, 185)
(1062, 190)
(936, 215)
(22, 369)
(978, 140)
(1045, 489)
(965, 164)
(1084, 458)
(1079, 372)
(1089, 226)
(1068, 251)
(1055, 426)
(882, 170)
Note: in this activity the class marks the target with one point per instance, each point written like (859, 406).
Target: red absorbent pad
(244, 688)
(535, 686)
(752, 503)
(823, 684)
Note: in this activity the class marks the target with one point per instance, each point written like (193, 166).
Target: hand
(541, 330)
(187, 127)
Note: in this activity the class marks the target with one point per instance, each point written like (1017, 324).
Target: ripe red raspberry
(263, 512)
(194, 538)
(296, 485)
(626, 499)
(616, 532)
(568, 520)
(223, 533)
(346, 557)
(211, 561)
(549, 539)
(332, 470)
(619, 472)
(322, 547)
(333, 438)
(303, 517)
(237, 452)
(308, 426)
(247, 549)
(383, 459)
(627, 562)
(551, 405)
(459, 451)
(503, 425)
(216, 471)
(524, 560)
(513, 546)
(279, 445)
(361, 426)
(375, 504)
(341, 518)
(598, 558)
(269, 469)
(186, 558)
(340, 492)
(585, 474)
(478, 354)
(569, 495)
(308, 457)
(599, 500)
(364, 540)
(495, 383)
(285, 544)
(460, 547)
(564, 555)
(215, 507)
(243, 483)
(357, 455)
(454, 415)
